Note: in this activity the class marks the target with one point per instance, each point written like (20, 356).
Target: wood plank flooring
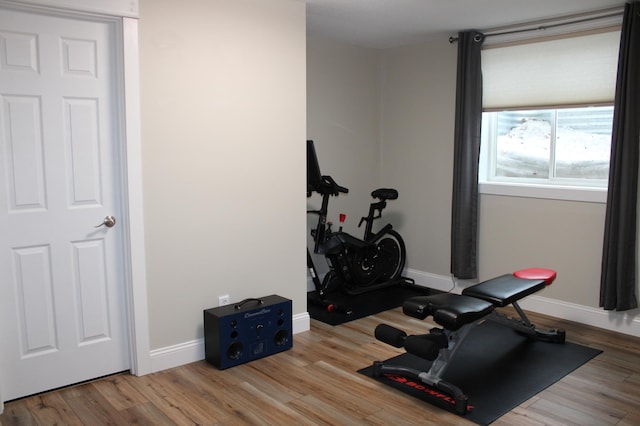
(316, 383)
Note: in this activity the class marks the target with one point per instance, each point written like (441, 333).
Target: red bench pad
(548, 275)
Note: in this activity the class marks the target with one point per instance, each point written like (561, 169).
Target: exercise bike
(355, 265)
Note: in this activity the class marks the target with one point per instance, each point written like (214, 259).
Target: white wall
(223, 91)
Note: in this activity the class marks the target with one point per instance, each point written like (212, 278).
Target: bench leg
(432, 377)
(522, 325)
(453, 393)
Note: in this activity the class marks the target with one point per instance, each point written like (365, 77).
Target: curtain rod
(480, 36)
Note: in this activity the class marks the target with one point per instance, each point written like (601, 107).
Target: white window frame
(567, 193)
(557, 189)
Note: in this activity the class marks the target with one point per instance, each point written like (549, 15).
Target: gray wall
(344, 122)
(418, 98)
(416, 89)
(223, 90)
(419, 111)
(562, 235)
(225, 104)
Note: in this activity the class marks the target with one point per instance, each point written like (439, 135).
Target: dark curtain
(464, 214)
(618, 276)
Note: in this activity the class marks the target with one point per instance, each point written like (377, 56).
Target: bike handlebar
(331, 186)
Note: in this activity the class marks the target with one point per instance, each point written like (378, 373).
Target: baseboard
(619, 322)
(193, 351)
(436, 282)
(176, 355)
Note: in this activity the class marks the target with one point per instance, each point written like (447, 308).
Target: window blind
(566, 71)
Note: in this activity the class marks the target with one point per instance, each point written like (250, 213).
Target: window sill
(567, 193)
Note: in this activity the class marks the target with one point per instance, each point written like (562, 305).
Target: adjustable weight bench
(458, 314)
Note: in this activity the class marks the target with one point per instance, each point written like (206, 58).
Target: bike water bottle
(343, 217)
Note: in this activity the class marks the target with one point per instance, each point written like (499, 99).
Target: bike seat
(385, 194)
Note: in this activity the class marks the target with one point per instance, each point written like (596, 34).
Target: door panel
(62, 287)
(24, 153)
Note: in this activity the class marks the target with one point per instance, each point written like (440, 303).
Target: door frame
(124, 14)
(135, 270)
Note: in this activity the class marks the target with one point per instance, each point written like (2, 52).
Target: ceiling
(392, 23)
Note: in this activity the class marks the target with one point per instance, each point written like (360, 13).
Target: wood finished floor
(316, 383)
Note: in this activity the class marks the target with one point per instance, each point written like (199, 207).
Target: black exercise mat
(362, 305)
(497, 369)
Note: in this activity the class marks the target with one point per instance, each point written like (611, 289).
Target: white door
(62, 290)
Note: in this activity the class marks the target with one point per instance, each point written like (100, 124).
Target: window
(569, 146)
(546, 129)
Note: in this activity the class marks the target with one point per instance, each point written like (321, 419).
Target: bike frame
(369, 235)
(322, 232)
(358, 265)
